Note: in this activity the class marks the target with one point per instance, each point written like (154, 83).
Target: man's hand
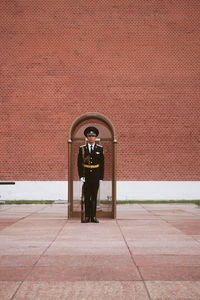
(82, 179)
(100, 181)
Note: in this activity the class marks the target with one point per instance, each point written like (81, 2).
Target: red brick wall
(136, 62)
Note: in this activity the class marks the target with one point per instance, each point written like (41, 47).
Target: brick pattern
(136, 62)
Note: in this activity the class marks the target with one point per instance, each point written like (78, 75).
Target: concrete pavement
(148, 252)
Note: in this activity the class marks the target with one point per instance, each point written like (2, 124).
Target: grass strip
(157, 201)
(104, 202)
(26, 202)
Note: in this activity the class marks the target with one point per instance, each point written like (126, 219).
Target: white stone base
(158, 190)
(126, 190)
(35, 190)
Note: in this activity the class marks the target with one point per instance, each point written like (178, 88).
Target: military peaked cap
(91, 131)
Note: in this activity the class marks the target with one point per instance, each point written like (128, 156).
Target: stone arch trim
(94, 115)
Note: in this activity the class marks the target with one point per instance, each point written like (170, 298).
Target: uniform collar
(91, 145)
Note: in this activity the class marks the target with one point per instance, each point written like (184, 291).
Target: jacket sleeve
(80, 163)
(102, 165)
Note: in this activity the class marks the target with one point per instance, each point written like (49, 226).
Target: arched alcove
(106, 206)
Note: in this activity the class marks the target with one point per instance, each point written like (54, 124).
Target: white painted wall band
(126, 190)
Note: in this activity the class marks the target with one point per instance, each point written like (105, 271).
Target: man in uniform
(91, 172)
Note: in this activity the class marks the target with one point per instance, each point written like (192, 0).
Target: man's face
(91, 139)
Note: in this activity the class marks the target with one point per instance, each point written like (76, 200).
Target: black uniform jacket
(91, 165)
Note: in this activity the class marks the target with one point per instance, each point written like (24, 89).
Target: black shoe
(86, 220)
(94, 220)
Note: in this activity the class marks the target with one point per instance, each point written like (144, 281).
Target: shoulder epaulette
(99, 145)
(82, 146)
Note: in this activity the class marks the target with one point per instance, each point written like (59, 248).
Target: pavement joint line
(171, 224)
(120, 227)
(134, 261)
(7, 208)
(198, 241)
(38, 260)
(150, 212)
(22, 218)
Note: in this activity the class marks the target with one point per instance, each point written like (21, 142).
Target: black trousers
(90, 192)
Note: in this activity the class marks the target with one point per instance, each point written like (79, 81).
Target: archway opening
(106, 202)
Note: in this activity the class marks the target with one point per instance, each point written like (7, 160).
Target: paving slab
(88, 250)
(165, 250)
(87, 267)
(164, 243)
(87, 273)
(174, 273)
(190, 227)
(196, 237)
(14, 273)
(82, 290)
(8, 289)
(176, 290)
(18, 260)
(148, 252)
(167, 260)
